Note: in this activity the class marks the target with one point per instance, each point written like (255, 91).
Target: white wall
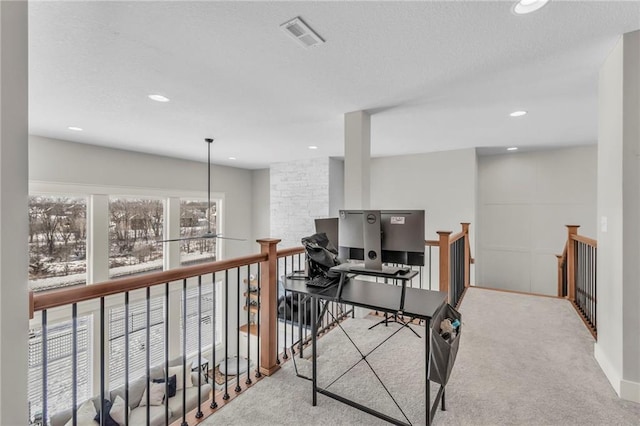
(618, 292)
(14, 117)
(524, 202)
(57, 161)
(336, 186)
(443, 184)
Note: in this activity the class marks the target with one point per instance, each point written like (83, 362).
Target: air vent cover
(302, 33)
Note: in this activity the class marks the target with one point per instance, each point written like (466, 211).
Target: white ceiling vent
(302, 33)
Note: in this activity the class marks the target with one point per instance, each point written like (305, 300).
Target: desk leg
(427, 392)
(314, 372)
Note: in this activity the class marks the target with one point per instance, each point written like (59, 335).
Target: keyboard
(322, 282)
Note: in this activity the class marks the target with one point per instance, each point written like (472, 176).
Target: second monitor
(382, 236)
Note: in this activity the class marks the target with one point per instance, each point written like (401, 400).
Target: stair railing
(577, 275)
(454, 263)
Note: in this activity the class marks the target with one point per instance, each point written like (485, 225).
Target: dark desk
(418, 303)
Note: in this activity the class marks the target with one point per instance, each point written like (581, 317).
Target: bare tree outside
(195, 220)
(135, 226)
(57, 241)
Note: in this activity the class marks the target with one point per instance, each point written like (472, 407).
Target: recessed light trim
(159, 98)
(312, 147)
(232, 158)
(512, 148)
(75, 128)
(518, 113)
(528, 6)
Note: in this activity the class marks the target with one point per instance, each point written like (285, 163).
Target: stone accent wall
(299, 193)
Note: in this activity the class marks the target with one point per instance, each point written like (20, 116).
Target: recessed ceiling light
(75, 129)
(512, 148)
(313, 147)
(232, 158)
(158, 98)
(518, 113)
(527, 6)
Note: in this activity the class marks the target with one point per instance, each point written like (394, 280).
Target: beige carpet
(522, 360)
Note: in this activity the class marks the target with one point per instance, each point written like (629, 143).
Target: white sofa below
(138, 414)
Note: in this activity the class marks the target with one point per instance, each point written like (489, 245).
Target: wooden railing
(454, 262)
(255, 325)
(577, 275)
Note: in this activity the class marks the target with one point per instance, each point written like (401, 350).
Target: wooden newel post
(269, 307)
(444, 269)
(571, 261)
(559, 256)
(467, 254)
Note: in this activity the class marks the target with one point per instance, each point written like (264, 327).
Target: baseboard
(607, 368)
(630, 391)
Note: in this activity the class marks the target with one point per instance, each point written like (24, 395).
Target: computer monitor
(329, 226)
(382, 236)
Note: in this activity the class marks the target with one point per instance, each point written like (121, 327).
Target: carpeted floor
(522, 360)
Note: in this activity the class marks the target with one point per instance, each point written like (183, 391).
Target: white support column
(357, 159)
(14, 321)
(98, 239)
(97, 271)
(171, 261)
(172, 230)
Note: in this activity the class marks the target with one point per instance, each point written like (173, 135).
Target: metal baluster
(278, 334)
(45, 369)
(284, 344)
(284, 311)
(184, 353)
(248, 381)
(238, 388)
(199, 414)
(74, 360)
(258, 374)
(148, 352)
(299, 324)
(102, 361)
(226, 335)
(126, 354)
(166, 352)
(213, 404)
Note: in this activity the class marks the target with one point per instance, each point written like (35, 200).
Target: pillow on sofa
(179, 373)
(85, 414)
(108, 420)
(172, 385)
(156, 394)
(119, 411)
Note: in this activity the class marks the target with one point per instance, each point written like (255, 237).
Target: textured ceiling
(435, 75)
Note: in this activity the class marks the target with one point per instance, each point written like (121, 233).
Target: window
(60, 362)
(137, 340)
(206, 317)
(57, 241)
(195, 220)
(135, 226)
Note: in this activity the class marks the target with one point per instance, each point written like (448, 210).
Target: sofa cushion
(191, 394)
(178, 371)
(156, 416)
(171, 388)
(136, 389)
(156, 394)
(108, 420)
(62, 417)
(85, 414)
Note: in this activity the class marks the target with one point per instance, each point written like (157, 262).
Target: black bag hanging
(443, 350)
(321, 255)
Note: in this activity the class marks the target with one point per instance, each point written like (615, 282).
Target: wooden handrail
(586, 240)
(67, 296)
(456, 237)
(431, 243)
(290, 251)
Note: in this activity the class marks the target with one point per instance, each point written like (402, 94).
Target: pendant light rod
(209, 141)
